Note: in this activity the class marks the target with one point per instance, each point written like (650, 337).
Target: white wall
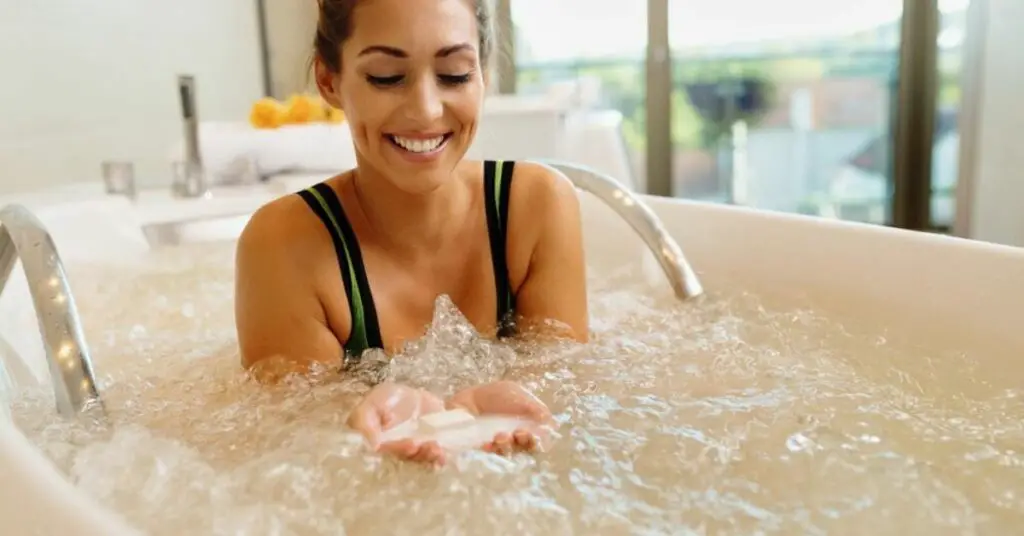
(291, 26)
(991, 205)
(88, 80)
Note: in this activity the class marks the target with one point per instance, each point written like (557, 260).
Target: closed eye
(454, 79)
(445, 79)
(384, 81)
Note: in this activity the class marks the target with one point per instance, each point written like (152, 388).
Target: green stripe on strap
(358, 334)
(497, 193)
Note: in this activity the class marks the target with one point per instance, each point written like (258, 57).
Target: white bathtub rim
(967, 290)
(38, 499)
(661, 205)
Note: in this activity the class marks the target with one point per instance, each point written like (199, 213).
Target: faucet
(23, 236)
(642, 219)
(189, 176)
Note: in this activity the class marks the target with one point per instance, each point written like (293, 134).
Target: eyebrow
(399, 53)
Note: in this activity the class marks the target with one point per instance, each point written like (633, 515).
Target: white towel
(315, 147)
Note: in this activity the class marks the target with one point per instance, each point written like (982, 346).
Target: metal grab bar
(642, 219)
(23, 236)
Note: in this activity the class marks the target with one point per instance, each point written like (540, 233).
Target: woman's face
(411, 86)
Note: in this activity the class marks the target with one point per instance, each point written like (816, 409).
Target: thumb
(538, 413)
(367, 421)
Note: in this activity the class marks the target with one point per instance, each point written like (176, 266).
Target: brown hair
(335, 25)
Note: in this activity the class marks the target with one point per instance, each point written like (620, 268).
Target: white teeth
(419, 146)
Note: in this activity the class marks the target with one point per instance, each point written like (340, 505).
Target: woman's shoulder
(543, 204)
(285, 224)
(541, 191)
(534, 182)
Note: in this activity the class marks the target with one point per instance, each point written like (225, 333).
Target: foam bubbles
(730, 415)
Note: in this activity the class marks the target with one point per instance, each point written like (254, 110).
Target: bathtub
(966, 292)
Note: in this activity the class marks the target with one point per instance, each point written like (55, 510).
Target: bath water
(736, 414)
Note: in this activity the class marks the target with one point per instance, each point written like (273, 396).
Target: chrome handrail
(23, 236)
(642, 219)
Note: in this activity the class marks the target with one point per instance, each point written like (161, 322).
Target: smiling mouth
(420, 145)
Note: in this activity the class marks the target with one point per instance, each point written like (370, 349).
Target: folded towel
(227, 147)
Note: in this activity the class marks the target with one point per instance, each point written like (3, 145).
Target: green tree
(691, 129)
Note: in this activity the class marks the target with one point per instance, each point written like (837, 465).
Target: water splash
(451, 356)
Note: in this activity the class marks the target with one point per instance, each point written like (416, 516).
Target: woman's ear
(326, 83)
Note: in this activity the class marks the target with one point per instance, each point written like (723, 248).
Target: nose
(425, 102)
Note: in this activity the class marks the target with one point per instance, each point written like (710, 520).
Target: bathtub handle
(642, 219)
(23, 236)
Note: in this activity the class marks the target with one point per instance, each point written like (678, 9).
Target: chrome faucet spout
(189, 175)
(22, 236)
(642, 219)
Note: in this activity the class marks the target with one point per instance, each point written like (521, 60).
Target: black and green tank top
(365, 333)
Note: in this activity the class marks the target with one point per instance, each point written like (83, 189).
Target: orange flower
(304, 109)
(334, 115)
(267, 113)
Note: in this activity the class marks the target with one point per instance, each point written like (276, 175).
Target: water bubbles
(451, 356)
(137, 332)
(734, 415)
(799, 443)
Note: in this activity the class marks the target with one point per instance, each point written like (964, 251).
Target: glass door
(785, 105)
(591, 56)
(951, 41)
(830, 108)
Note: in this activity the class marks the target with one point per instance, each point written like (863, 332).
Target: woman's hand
(388, 405)
(508, 399)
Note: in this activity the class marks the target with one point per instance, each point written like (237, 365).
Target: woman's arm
(555, 284)
(281, 324)
(283, 329)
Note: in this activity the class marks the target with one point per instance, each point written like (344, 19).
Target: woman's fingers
(431, 453)
(525, 439)
(505, 443)
(403, 448)
(406, 449)
(502, 444)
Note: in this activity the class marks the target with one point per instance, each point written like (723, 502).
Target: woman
(357, 261)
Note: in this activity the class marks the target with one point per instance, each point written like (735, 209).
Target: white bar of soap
(444, 420)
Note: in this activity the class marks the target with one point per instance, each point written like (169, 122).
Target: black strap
(497, 185)
(373, 336)
(339, 248)
(365, 305)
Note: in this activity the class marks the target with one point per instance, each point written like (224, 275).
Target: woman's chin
(421, 177)
(419, 181)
